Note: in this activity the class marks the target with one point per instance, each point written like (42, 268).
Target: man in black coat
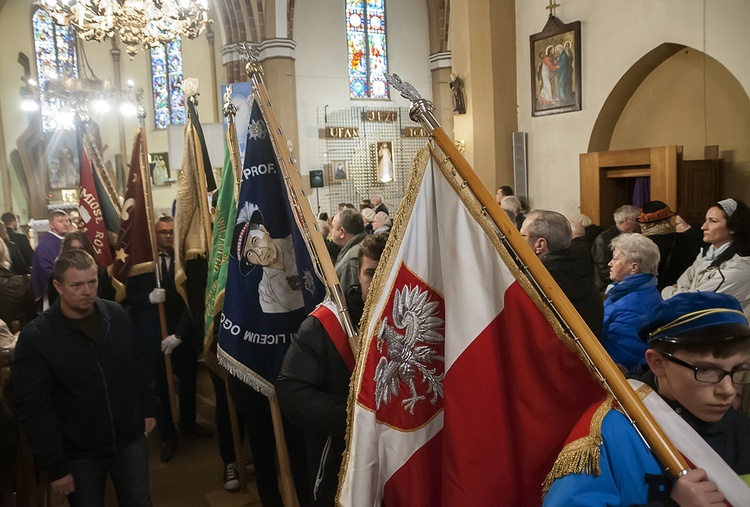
(548, 233)
(626, 220)
(18, 238)
(313, 384)
(84, 394)
(143, 298)
(377, 201)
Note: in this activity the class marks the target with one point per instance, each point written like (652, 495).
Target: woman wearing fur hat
(725, 265)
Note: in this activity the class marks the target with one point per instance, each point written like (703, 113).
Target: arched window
(166, 79)
(56, 57)
(365, 36)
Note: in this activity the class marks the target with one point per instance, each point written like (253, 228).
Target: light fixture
(29, 105)
(135, 22)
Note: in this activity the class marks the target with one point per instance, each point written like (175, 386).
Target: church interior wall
(615, 35)
(699, 103)
(322, 71)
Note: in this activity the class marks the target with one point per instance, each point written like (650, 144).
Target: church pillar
(120, 173)
(7, 198)
(277, 58)
(483, 48)
(215, 110)
(440, 65)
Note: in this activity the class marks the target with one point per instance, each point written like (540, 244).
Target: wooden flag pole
(230, 111)
(146, 179)
(590, 347)
(312, 235)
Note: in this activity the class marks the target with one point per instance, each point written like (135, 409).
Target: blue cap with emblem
(695, 318)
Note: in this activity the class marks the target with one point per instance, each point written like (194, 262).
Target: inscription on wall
(380, 116)
(342, 132)
(413, 132)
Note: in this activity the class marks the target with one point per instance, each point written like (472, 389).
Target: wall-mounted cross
(551, 7)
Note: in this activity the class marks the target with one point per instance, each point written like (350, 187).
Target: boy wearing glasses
(699, 357)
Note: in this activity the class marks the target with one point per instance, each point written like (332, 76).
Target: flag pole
(315, 243)
(590, 348)
(230, 110)
(149, 202)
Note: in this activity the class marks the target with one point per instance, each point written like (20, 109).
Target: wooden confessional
(687, 186)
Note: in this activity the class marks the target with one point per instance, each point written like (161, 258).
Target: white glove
(170, 343)
(157, 296)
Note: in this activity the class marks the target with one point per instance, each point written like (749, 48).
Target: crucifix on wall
(551, 7)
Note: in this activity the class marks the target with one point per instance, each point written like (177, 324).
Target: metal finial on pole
(229, 110)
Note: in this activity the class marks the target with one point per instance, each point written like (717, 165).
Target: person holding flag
(271, 287)
(143, 296)
(699, 357)
(313, 385)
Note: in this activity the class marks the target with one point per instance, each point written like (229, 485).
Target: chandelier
(135, 22)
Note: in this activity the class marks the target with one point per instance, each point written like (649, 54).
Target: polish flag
(463, 394)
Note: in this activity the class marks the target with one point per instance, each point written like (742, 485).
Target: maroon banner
(133, 255)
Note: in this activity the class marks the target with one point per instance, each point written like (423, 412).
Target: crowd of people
(668, 302)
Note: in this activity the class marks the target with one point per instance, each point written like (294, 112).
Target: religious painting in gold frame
(339, 171)
(383, 156)
(556, 68)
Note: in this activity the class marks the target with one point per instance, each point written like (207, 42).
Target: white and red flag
(463, 394)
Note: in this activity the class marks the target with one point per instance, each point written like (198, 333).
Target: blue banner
(271, 284)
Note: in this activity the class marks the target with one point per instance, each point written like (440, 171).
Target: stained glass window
(365, 35)
(55, 48)
(166, 78)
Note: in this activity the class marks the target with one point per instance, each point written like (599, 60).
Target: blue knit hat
(695, 318)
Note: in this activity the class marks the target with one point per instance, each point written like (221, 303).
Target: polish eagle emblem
(412, 357)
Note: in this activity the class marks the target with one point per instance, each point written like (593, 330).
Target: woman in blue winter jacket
(633, 291)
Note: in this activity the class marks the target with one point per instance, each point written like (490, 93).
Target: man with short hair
(144, 297)
(549, 235)
(43, 261)
(84, 394)
(503, 191)
(313, 383)
(347, 231)
(626, 221)
(20, 239)
(377, 201)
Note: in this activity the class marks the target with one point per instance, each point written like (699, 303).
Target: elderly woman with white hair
(633, 291)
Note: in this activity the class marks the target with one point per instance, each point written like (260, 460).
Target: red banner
(92, 219)
(133, 254)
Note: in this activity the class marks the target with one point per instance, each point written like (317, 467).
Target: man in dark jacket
(626, 220)
(313, 384)
(143, 298)
(548, 233)
(84, 394)
(18, 238)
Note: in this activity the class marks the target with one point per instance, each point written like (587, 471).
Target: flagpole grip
(313, 237)
(612, 378)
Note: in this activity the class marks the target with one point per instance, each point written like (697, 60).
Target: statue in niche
(456, 84)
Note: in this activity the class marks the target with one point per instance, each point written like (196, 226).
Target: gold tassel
(581, 456)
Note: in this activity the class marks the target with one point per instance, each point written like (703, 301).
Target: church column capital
(277, 48)
(440, 60)
(269, 48)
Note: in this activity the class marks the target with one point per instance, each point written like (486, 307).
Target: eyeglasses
(712, 374)
(165, 233)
